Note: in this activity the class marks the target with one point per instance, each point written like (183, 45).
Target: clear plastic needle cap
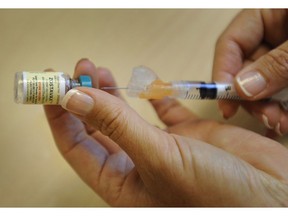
(140, 79)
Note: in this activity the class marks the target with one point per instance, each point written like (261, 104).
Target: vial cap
(85, 81)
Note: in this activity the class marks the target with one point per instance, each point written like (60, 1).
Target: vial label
(43, 88)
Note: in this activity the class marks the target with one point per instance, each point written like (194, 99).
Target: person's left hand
(193, 162)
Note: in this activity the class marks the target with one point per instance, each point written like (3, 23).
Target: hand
(194, 162)
(253, 52)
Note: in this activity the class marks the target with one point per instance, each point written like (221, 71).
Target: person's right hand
(253, 53)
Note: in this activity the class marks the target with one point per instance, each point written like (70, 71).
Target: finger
(96, 158)
(232, 48)
(102, 170)
(270, 114)
(271, 134)
(171, 112)
(234, 45)
(115, 119)
(86, 67)
(266, 76)
(100, 76)
(92, 160)
(228, 108)
(65, 126)
(275, 26)
(83, 66)
(259, 52)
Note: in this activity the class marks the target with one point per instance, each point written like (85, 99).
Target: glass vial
(45, 87)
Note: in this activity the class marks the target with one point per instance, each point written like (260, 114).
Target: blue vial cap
(85, 81)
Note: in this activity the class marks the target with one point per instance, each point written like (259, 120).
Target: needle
(113, 88)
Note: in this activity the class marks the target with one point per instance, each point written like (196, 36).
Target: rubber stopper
(85, 81)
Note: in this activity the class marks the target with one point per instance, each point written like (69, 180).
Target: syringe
(144, 83)
(184, 90)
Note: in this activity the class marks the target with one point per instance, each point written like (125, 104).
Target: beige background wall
(177, 44)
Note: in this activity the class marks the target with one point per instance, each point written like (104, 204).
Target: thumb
(266, 76)
(115, 119)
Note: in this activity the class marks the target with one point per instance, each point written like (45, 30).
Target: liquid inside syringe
(144, 83)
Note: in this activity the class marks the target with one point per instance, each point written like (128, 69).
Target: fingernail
(265, 120)
(251, 83)
(77, 102)
(278, 129)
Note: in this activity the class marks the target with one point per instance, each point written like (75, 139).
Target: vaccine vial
(45, 87)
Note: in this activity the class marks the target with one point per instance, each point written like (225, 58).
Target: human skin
(192, 162)
(253, 53)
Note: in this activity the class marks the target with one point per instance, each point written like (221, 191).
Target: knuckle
(278, 63)
(220, 40)
(112, 123)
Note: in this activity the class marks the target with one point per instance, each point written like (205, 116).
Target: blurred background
(176, 44)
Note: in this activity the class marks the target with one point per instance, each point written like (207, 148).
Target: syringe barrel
(202, 90)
